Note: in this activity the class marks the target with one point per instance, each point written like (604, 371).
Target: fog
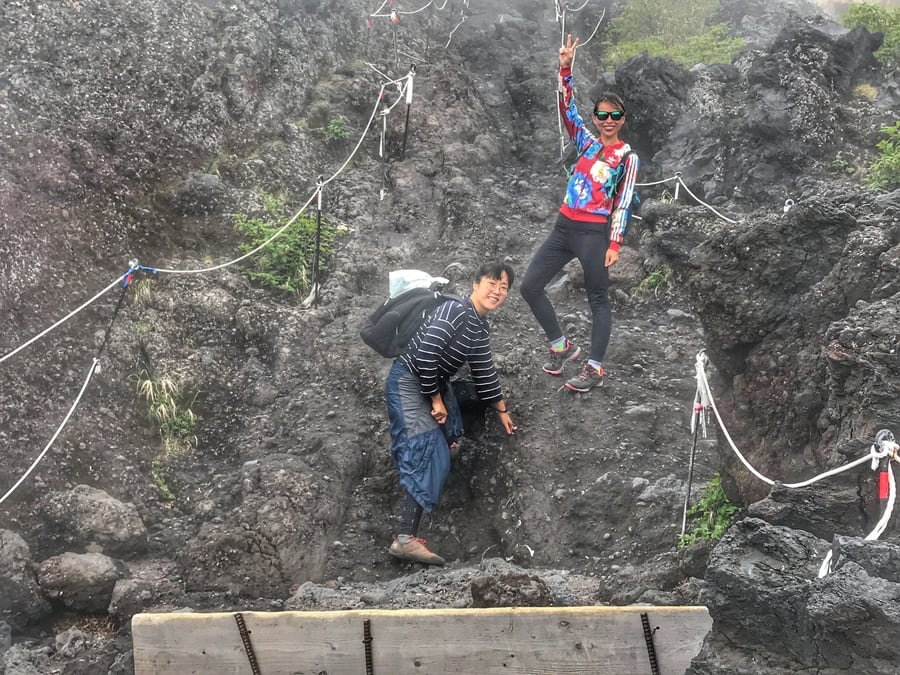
(838, 7)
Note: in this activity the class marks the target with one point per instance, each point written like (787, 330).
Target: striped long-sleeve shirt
(452, 335)
(591, 195)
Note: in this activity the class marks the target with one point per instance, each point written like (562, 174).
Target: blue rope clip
(128, 277)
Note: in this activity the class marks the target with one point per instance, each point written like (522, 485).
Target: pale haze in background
(838, 7)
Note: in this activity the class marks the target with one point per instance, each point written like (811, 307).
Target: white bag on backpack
(400, 281)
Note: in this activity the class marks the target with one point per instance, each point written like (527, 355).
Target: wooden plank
(522, 641)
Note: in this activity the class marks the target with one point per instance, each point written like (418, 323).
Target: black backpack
(635, 198)
(393, 324)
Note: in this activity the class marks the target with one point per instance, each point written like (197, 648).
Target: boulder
(771, 613)
(80, 581)
(90, 519)
(21, 600)
(152, 584)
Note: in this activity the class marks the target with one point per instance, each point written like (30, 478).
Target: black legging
(562, 244)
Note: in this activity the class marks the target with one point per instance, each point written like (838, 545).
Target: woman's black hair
(610, 97)
(495, 270)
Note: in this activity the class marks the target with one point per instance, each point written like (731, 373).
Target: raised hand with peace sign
(567, 52)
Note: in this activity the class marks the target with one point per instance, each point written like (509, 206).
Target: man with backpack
(425, 421)
(590, 226)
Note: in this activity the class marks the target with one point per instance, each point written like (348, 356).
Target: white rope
(278, 232)
(596, 28)
(705, 391)
(462, 21)
(575, 11)
(657, 182)
(296, 215)
(884, 449)
(62, 320)
(421, 9)
(414, 57)
(400, 97)
(881, 525)
(65, 421)
(702, 396)
(702, 203)
(388, 81)
(380, 8)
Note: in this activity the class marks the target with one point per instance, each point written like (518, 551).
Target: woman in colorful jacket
(590, 225)
(424, 417)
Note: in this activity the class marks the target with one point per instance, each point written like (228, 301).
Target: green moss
(885, 173)
(710, 516)
(286, 262)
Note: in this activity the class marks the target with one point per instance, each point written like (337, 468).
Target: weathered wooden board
(532, 641)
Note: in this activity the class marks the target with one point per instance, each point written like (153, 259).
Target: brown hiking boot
(415, 550)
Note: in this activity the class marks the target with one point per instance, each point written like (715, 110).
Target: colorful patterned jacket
(591, 195)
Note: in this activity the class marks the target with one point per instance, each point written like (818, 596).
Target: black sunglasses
(615, 114)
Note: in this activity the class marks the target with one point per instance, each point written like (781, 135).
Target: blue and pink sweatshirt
(591, 193)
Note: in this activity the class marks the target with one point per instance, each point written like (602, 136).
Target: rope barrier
(884, 447)
(421, 9)
(702, 360)
(596, 28)
(125, 280)
(566, 7)
(134, 267)
(94, 367)
(388, 79)
(62, 320)
(876, 455)
(290, 222)
(461, 22)
(377, 11)
(701, 202)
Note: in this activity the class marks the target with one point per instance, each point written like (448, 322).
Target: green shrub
(655, 281)
(677, 30)
(877, 19)
(286, 263)
(885, 173)
(840, 164)
(336, 130)
(710, 516)
(710, 47)
(173, 419)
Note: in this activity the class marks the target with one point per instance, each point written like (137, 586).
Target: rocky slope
(136, 130)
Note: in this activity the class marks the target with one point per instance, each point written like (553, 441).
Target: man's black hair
(495, 270)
